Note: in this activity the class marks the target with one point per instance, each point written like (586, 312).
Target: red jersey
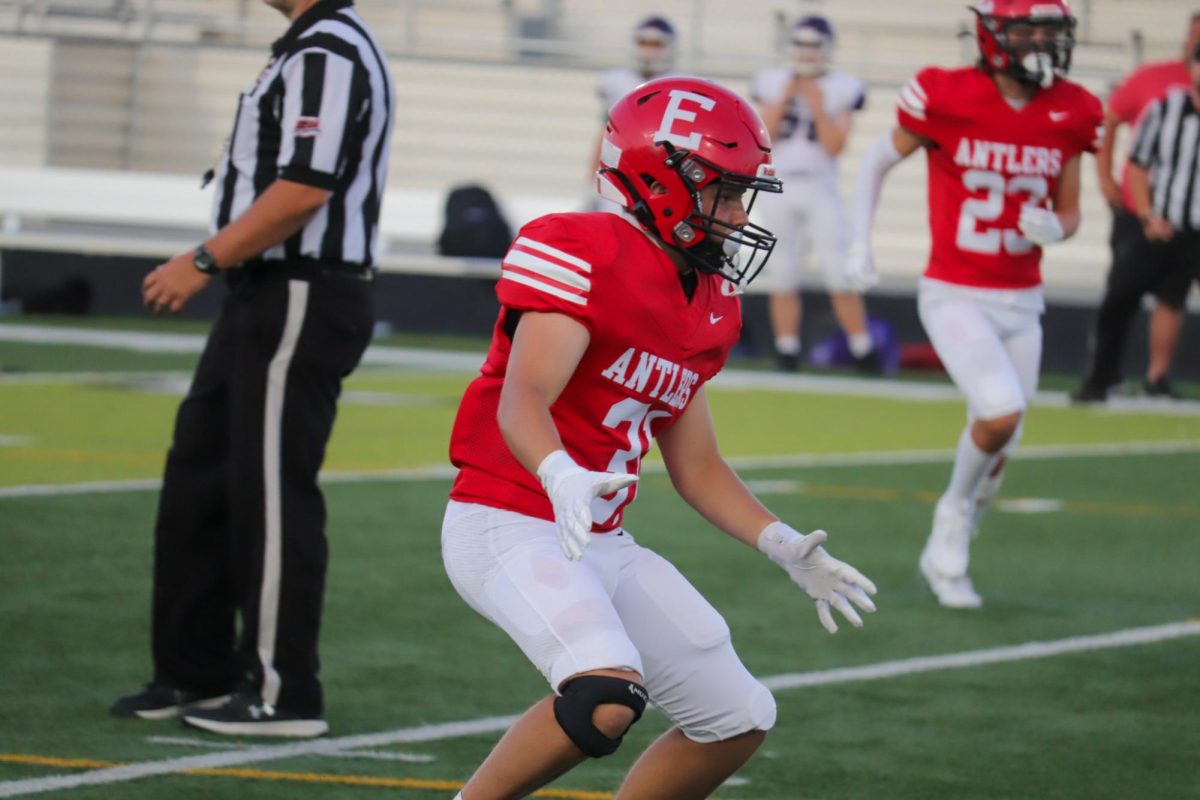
(650, 350)
(1134, 95)
(986, 160)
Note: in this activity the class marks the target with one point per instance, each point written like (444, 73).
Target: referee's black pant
(1139, 266)
(241, 520)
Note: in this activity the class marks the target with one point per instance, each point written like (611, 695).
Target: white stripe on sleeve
(542, 286)
(561, 255)
(542, 266)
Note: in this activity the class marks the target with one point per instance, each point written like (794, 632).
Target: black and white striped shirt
(321, 114)
(1167, 145)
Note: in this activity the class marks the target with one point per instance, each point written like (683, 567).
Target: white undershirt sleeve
(879, 158)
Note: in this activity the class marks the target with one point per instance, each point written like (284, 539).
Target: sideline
(449, 730)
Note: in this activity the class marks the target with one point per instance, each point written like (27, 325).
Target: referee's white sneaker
(947, 552)
(249, 715)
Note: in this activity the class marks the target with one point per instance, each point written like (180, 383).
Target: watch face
(204, 260)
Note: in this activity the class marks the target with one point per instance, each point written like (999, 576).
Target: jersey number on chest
(974, 235)
(638, 417)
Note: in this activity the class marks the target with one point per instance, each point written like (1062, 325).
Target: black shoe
(1160, 388)
(248, 715)
(157, 701)
(1089, 393)
(870, 362)
(787, 362)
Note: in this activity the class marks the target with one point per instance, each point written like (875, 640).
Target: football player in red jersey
(610, 326)
(1003, 141)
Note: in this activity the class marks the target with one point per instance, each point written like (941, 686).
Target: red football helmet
(1030, 40)
(680, 135)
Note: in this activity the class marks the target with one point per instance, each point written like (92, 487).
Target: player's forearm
(713, 489)
(279, 212)
(1070, 221)
(526, 425)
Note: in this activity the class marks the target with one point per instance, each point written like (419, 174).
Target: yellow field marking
(298, 777)
(52, 456)
(50, 761)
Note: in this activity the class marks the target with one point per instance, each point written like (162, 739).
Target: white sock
(458, 796)
(860, 343)
(971, 466)
(989, 487)
(787, 345)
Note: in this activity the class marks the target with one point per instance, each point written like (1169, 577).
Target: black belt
(306, 269)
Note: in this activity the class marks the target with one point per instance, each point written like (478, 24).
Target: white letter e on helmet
(675, 113)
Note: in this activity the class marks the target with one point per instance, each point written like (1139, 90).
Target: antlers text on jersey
(1009, 158)
(653, 376)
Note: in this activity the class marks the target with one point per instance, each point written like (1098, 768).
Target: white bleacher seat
(525, 130)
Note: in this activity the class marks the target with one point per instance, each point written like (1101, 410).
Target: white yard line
(87, 487)
(196, 742)
(382, 755)
(450, 730)
(253, 755)
(996, 655)
(790, 461)
(209, 744)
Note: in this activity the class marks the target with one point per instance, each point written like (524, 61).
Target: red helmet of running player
(1031, 40)
(669, 139)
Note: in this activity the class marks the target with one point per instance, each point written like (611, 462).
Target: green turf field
(1093, 541)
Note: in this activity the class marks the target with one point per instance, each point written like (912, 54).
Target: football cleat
(947, 552)
(957, 592)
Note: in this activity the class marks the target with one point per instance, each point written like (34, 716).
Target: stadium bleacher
(102, 86)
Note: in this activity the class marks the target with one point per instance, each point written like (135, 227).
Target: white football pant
(989, 340)
(620, 607)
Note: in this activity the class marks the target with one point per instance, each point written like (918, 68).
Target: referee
(240, 528)
(1164, 181)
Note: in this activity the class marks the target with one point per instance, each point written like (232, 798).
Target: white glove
(859, 269)
(571, 489)
(827, 581)
(1040, 225)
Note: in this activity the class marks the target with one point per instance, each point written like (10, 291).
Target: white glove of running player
(571, 489)
(859, 270)
(1040, 225)
(827, 581)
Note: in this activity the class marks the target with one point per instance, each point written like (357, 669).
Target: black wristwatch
(203, 260)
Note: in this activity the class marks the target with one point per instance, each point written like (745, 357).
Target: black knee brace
(573, 710)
